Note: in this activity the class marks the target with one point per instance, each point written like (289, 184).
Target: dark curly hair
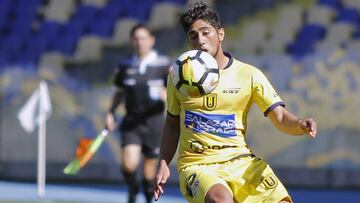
(200, 11)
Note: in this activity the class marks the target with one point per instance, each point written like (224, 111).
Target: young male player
(215, 163)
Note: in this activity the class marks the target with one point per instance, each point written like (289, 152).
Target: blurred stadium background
(310, 50)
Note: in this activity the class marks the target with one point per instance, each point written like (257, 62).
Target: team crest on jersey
(210, 101)
(269, 181)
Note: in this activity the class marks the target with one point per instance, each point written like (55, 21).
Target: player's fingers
(161, 189)
(313, 128)
(161, 179)
(313, 131)
(157, 192)
(156, 195)
(305, 128)
(309, 127)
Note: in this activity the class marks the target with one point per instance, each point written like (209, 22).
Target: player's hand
(309, 127)
(163, 173)
(110, 122)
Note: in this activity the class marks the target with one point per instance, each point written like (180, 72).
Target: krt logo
(231, 90)
(210, 101)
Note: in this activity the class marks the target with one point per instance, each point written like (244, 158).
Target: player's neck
(143, 55)
(221, 59)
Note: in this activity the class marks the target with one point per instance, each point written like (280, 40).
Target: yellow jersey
(213, 127)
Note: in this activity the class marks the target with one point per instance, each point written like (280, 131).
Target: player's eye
(193, 37)
(206, 32)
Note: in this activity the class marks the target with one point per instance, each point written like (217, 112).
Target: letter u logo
(269, 181)
(210, 101)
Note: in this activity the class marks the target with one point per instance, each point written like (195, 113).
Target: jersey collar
(145, 61)
(231, 59)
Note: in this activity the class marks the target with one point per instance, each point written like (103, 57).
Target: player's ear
(221, 34)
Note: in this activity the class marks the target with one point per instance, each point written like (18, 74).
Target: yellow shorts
(249, 179)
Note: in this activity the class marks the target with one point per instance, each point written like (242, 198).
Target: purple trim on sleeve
(273, 107)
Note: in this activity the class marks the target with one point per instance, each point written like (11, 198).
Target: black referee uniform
(141, 82)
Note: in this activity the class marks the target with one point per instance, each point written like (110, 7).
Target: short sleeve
(173, 104)
(264, 95)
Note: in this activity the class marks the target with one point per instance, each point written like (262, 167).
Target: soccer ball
(195, 73)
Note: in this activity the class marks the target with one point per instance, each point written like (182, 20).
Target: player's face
(204, 36)
(142, 41)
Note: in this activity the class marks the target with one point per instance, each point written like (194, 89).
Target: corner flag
(29, 114)
(34, 113)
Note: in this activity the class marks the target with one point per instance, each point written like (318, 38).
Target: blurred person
(140, 82)
(215, 164)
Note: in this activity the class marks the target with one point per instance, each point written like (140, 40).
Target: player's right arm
(169, 143)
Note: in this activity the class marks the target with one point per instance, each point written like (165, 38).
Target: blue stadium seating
(65, 44)
(85, 13)
(20, 27)
(34, 47)
(350, 15)
(335, 4)
(11, 45)
(305, 40)
(74, 29)
(102, 28)
(140, 10)
(49, 30)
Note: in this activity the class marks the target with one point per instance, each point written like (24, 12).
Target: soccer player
(214, 162)
(140, 82)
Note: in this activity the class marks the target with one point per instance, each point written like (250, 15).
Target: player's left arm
(288, 123)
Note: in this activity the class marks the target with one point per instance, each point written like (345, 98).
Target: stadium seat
(306, 39)
(140, 10)
(50, 30)
(337, 35)
(163, 15)
(111, 13)
(291, 15)
(65, 45)
(279, 66)
(350, 15)
(59, 11)
(178, 2)
(74, 29)
(85, 13)
(353, 51)
(287, 24)
(21, 28)
(34, 47)
(88, 49)
(12, 44)
(25, 10)
(320, 14)
(274, 45)
(121, 32)
(334, 4)
(351, 4)
(51, 59)
(254, 35)
(102, 28)
(95, 3)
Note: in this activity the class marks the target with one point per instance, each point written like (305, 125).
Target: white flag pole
(41, 169)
